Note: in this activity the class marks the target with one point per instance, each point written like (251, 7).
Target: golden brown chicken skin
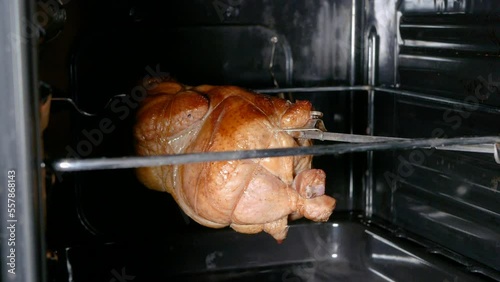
(250, 195)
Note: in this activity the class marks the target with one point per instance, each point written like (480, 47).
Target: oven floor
(339, 250)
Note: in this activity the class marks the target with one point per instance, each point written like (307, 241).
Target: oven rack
(483, 144)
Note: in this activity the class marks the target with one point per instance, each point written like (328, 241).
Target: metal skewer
(353, 138)
(315, 129)
(336, 149)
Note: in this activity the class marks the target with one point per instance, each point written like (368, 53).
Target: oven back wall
(118, 43)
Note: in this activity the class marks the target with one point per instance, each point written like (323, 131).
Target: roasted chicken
(251, 195)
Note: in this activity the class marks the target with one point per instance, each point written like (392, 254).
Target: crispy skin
(249, 195)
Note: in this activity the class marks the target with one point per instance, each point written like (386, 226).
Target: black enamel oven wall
(446, 51)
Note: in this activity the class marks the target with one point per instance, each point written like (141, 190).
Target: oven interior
(425, 69)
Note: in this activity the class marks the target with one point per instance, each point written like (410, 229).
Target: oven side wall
(447, 50)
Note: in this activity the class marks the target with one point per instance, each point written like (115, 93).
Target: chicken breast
(251, 195)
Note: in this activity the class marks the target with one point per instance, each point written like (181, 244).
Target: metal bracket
(497, 153)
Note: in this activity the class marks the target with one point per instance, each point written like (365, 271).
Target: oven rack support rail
(367, 88)
(468, 144)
